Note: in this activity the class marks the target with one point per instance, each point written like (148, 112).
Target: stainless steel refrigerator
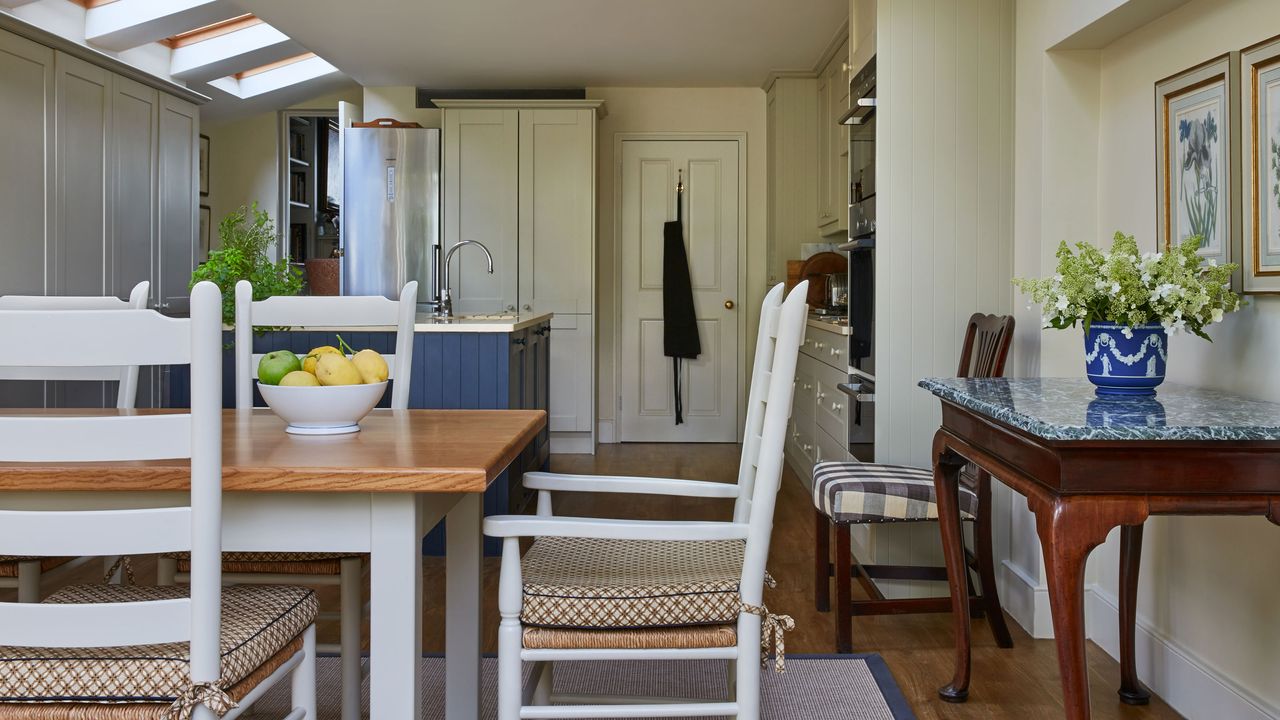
(390, 232)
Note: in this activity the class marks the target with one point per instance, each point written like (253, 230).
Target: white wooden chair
(102, 651)
(346, 571)
(603, 589)
(26, 573)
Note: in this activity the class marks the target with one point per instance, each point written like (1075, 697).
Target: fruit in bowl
(324, 392)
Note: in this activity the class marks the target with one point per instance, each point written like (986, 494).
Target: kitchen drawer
(832, 406)
(830, 348)
(806, 388)
(828, 449)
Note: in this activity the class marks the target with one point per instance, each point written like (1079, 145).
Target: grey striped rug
(847, 687)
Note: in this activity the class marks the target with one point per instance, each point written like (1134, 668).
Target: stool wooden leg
(821, 561)
(986, 564)
(844, 591)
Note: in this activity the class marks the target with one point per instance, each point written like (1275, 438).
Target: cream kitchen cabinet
(100, 190)
(819, 429)
(833, 145)
(520, 178)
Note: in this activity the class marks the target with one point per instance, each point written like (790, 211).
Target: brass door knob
(728, 304)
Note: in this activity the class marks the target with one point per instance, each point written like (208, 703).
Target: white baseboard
(1189, 684)
(605, 432)
(572, 444)
(1025, 600)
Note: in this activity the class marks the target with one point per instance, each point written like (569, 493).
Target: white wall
(1209, 640)
(398, 102)
(944, 245)
(731, 109)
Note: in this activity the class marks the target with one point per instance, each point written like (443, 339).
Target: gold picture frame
(1260, 147)
(1198, 159)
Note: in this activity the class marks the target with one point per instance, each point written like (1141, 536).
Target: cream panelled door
(712, 228)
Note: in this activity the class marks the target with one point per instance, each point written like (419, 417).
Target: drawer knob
(822, 396)
(837, 407)
(819, 345)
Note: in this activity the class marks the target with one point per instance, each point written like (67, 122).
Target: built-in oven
(861, 248)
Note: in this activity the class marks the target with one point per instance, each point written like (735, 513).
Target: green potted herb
(246, 235)
(1128, 302)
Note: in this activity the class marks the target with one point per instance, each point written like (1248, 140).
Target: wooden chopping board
(815, 270)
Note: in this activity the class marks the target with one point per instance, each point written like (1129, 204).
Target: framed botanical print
(1260, 110)
(204, 166)
(1197, 160)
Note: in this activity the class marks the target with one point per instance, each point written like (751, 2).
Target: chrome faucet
(444, 305)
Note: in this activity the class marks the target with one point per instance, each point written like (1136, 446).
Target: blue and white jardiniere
(1124, 360)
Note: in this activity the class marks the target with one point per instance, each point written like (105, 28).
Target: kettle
(837, 291)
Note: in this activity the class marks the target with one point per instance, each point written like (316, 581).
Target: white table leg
(395, 608)
(463, 600)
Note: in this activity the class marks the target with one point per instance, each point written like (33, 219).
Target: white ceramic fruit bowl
(322, 410)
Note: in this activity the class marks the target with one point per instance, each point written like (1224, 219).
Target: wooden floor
(1017, 684)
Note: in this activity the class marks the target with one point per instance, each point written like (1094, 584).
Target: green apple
(275, 365)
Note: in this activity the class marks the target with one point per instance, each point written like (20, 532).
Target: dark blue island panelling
(451, 371)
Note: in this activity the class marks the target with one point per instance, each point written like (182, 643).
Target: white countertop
(818, 322)
(427, 323)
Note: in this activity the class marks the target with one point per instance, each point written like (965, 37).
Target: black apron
(680, 323)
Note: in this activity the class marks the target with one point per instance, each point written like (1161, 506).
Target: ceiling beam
(231, 53)
(125, 24)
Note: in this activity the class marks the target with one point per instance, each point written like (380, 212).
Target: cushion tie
(205, 693)
(773, 629)
(124, 562)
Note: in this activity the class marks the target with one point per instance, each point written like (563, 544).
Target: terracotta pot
(322, 276)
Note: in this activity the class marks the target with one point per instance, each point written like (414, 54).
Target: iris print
(1199, 138)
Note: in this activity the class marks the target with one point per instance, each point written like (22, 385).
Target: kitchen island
(474, 362)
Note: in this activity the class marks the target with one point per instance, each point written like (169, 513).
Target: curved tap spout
(445, 304)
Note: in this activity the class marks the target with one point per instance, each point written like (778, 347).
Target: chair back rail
(319, 311)
(760, 375)
(59, 338)
(986, 346)
(780, 352)
(127, 376)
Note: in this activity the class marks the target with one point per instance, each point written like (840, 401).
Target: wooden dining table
(1088, 464)
(377, 491)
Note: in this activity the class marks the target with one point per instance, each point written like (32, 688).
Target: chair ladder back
(777, 411)
(353, 311)
(123, 337)
(986, 346)
(126, 376)
(766, 339)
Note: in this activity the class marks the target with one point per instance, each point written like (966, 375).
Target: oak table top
(414, 451)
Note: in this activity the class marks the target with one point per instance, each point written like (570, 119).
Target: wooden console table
(1088, 464)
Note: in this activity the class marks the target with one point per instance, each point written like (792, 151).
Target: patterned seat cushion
(852, 492)
(280, 563)
(257, 622)
(589, 583)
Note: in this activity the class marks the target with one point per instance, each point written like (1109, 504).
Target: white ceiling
(489, 44)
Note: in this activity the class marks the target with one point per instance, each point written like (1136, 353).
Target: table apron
(281, 522)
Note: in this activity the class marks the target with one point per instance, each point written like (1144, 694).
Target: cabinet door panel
(481, 176)
(557, 218)
(26, 155)
(571, 373)
(178, 129)
(83, 124)
(134, 114)
(824, 156)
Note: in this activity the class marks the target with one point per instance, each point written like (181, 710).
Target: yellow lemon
(372, 366)
(334, 369)
(309, 362)
(299, 378)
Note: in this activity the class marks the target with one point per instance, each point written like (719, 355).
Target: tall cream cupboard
(98, 189)
(520, 178)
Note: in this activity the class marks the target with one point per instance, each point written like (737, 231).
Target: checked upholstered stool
(852, 493)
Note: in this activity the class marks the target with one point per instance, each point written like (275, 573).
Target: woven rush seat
(258, 624)
(852, 492)
(9, 564)
(696, 636)
(589, 583)
(280, 563)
